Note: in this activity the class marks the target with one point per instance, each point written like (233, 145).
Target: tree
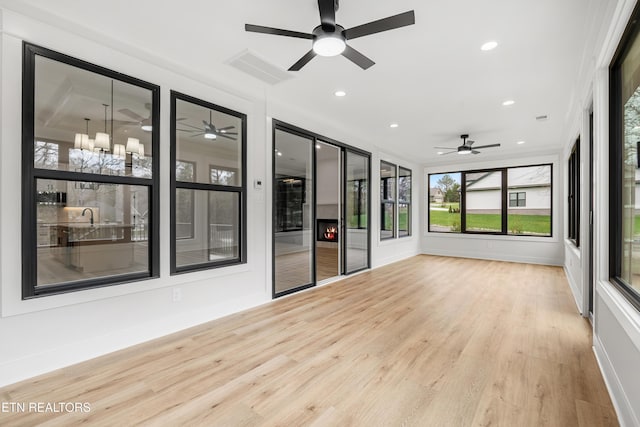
(449, 188)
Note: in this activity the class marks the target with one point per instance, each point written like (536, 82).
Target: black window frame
(573, 195)
(616, 152)
(504, 197)
(241, 190)
(30, 175)
(385, 201)
(406, 202)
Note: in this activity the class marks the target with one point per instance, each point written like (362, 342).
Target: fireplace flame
(330, 233)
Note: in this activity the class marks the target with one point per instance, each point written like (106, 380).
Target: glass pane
(88, 230)
(328, 211)
(387, 200)
(404, 202)
(185, 209)
(210, 139)
(215, 227)
(630, 271)
(357, 201)
(529, 200)
(483, 200)
(293, 199)
(444, 202)
(87, 122)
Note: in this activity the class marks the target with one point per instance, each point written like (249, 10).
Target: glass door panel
(293, 201)
(328, 210)
(356, 212)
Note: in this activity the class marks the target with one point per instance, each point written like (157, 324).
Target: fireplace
(327, 230)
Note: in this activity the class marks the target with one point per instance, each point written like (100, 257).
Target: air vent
(257, 67)
(542, 118)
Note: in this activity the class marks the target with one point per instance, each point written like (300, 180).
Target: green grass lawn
(517, 224)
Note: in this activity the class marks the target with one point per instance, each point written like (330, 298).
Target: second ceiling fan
(466, 147)
(330, 39)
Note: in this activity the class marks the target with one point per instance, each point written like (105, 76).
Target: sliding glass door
(293, 213)
(321, 209)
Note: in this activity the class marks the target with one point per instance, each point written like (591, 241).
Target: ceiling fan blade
(229, 133)
(475, 152)
(197, 134)
(224, 135)
(226, 128)
(470, 143)
(276, 31)
(385, 24)
(131, 114)
(487, 146)
(449, 152)
(303, 61)
(327, 14)
(357, 58)
(186, 130)
(447, 148)
(192, 126)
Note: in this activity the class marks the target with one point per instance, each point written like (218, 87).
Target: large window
(513, 201)
(573, 196)
(90, 175)
(208, 226)
(388, 175)
(624, 245)
(404, 202)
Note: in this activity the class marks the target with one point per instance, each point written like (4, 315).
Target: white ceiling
(430, 78)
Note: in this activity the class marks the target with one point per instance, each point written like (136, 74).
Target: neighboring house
(435, 195)
(529, 190)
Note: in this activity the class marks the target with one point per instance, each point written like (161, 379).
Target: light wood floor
(430, 341)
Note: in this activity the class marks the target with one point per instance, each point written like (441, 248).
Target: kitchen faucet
(91, 214)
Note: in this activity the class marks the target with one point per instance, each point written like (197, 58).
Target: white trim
(619, 399)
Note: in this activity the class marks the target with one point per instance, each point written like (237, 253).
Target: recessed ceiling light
(393, 125)
(520, 142)
(440, 153)
(489, 46)
(279, 153)
(508, 102)
(340, 93)
(318, 146)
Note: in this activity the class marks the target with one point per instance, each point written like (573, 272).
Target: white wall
(616, 332)
(43, 334)
(538, 250)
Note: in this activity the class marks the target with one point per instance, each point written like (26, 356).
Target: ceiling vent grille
(257, 67)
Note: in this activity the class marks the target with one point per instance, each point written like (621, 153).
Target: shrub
(455, 226)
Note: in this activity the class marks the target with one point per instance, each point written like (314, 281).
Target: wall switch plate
(177, 294)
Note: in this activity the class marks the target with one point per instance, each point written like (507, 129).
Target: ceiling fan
(330, 39)
(210, 131)
(145, 122)
(466, 147)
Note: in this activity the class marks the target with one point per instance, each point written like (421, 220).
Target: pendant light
(102, 141)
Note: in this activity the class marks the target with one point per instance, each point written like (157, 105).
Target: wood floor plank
(426, 341)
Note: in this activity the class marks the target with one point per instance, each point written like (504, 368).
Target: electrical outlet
(177, 294)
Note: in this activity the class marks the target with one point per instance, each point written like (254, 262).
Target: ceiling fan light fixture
(490, 45)
(463, 149)
(146, 128)
(210, 135)
(329, 45)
